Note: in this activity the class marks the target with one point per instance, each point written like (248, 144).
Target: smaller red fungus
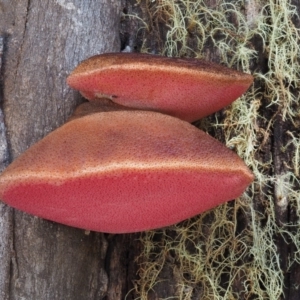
(185, 88)
(123, 171)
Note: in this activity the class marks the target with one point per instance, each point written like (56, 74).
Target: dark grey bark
(5, 211)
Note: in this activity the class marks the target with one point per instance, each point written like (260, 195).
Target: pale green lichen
(211, 253)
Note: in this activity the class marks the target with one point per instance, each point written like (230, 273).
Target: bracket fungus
(119, 166)
(188, 89)
(123, 171)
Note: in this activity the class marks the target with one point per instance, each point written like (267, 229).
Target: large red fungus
(123, 171)
(185, 88)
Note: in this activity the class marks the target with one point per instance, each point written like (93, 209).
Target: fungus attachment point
(96, 106)
(185, 88)
(123, 171)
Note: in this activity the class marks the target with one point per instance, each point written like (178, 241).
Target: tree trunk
(43, 41)
(246, 249)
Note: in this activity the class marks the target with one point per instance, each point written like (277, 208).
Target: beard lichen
(231, 252)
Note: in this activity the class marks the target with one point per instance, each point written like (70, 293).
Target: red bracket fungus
(188, 89)
(115, 169)
(124, 171)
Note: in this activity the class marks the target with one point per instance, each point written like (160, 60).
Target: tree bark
(43, 41)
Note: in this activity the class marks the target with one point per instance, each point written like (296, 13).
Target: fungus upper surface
(123, 171)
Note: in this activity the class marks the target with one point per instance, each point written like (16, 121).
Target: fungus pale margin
(123, 171)
(188, 89)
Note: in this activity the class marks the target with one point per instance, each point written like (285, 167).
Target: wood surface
(43, 41)
(40, 43)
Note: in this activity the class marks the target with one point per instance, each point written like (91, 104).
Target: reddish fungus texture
(185, 88)
(99, 105)
(123, 171)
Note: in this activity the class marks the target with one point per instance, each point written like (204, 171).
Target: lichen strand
(230, 252)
